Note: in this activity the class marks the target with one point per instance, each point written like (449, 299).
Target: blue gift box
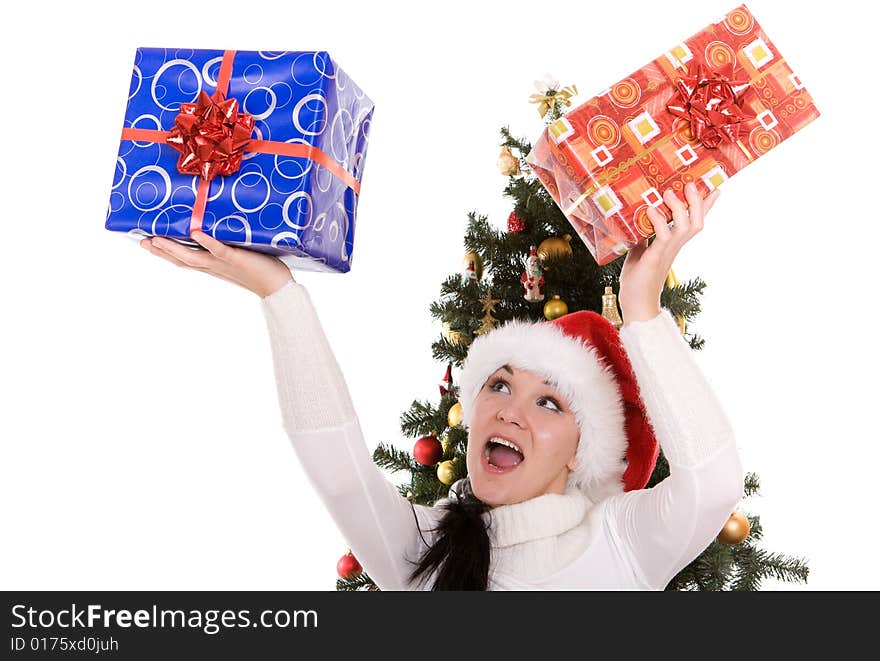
(294, 207)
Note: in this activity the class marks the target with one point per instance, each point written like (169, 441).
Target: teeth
(502, 441)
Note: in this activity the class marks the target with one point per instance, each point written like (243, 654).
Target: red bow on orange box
(713, 102)
(212, 136)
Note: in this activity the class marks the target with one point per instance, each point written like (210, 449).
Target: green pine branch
(755, 564)
(752, 485)
(456, 438)
(445, 351)
(426, 488)
(756, 531)
(522, 145)
(419, 420)
(392, 459)
(361, 582)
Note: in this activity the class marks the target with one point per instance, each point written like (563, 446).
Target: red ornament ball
(348, 567)
(428, 450)
(515, 224)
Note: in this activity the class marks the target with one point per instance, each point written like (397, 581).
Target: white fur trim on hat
(579, 375)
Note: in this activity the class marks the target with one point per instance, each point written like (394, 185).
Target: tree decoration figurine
(552, 100)
(532, 278)
(488, 321)
(609, 308)
(470, 274)
(478, 263)
(446, 385)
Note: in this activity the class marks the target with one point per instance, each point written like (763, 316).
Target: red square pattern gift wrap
(700, 112)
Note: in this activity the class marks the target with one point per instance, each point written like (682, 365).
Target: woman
(551, 410)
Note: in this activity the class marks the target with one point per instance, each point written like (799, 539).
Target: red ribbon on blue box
(262, 146)
(260, 149)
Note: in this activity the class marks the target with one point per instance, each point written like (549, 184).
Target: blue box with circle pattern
(262, 150)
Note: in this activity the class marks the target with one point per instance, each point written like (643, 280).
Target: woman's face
(517, 405)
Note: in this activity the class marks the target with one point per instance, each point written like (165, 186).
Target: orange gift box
(700, 112)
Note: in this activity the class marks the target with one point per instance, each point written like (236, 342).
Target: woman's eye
(498, 385)
(495, 385)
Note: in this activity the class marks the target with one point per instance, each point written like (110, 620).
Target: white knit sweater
(636, 540)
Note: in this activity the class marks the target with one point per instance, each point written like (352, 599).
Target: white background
(142, 444)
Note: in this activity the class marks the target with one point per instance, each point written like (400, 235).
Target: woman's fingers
(193, 258)
(659, 221)
(700, 206)
(687, 219)
(155, 250)
(220, 250)
(692, 195)
(677, 205)
(696, 209)
(169, 257)
(679, 211)
(710, 200)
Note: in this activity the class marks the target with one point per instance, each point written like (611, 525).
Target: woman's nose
(510, 414)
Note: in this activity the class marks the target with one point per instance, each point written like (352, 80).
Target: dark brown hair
(460, 553)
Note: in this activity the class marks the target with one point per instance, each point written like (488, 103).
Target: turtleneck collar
(543, 516)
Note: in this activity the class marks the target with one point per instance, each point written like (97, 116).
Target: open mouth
(501, 455)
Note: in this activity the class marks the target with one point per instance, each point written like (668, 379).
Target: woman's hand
(256, 272)
(645, 269)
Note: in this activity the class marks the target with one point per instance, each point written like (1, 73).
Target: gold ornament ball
(508, 164)
(555, 308)
(554, 248)
(735, 530)
(478, 264)
(446, 472)
(450, 335)
(455, 415)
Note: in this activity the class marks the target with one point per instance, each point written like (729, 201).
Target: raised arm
(663, 528)
(377, 522)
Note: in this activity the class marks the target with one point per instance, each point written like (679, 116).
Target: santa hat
(582, 356)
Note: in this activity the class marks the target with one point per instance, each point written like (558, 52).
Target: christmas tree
(534, 254)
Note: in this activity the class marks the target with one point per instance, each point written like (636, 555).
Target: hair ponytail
(460, 553)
